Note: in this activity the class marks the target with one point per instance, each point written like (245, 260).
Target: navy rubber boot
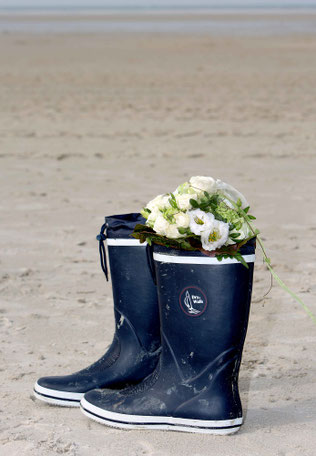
(135, 349)
(204, 308)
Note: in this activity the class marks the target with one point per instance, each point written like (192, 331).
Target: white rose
(161, 225)
(203, 184)
(160, 202)
(182, 220)
(183, 188)
(232, 193)
(200, 221)
(183, 201)
(172, 232)
(152, 216)
(216, 237)
(244, 231)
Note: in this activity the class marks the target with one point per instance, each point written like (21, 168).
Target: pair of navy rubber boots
(181, 320)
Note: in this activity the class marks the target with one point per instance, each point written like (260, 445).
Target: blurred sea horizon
(241, 8)
(238, 19)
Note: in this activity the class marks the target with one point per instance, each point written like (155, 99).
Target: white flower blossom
(155, 212)
(232, 193)
(164, 228)
(161, 225)
(203, 184)
(172, 232)
(182, 220)
(215, 237)
(166, 219)
(183, 201)
(200, 221)
(244, 231)
(183, 188)
(160, 202)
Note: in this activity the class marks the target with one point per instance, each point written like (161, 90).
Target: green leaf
(240, 258)
(184, 230)
(148, 240)
(185, 245)
(234, 235)
(140, 227)
(145, 212)
(251, 217)
(246, 209)
(221, 219)
(194, 203)
(173, 201)
(239, 203)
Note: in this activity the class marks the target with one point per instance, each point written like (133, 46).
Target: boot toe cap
(102, 398)
(70, 383)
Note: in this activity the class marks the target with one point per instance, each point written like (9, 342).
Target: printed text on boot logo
(192, 301)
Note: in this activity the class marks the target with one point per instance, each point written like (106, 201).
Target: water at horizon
(195, 7)
(62, 20)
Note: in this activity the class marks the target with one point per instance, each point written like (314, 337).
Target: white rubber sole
(123, 421)
(56, 397)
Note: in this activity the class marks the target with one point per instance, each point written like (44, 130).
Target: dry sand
(99, 124)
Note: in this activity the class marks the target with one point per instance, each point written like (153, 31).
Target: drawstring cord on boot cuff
(101, 238)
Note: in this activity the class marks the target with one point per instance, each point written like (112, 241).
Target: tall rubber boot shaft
(210, 315)
(204, 308)
(134, 292)
(136, 344)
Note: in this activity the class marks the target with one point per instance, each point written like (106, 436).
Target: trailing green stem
(268, 261)
(290, 292)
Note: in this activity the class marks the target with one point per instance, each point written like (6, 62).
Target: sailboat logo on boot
(193, 301)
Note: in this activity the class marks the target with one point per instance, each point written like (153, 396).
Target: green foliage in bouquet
(205, 215)
(210, 204)
(190, 242)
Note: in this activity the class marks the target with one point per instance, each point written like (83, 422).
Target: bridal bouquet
(202, 214)
(207, 215)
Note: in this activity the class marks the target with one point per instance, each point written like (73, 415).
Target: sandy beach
(98, 124)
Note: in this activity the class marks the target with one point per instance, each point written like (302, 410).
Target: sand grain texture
(99, 124)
